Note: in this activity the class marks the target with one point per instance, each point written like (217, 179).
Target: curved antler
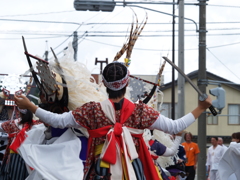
(133, 36)
(147, 99)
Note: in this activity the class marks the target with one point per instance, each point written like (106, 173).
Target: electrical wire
(108, 36)
(60, 22)
(35, 21)
(36, 14)
(149, 31)
(113, 34)
(144, 49)
(224, 45)
(223, 6)
(47, 37)
(222, 63)
(85, 33)
(67, 38)
(73, 33)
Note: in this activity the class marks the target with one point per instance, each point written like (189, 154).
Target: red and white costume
(98, 119)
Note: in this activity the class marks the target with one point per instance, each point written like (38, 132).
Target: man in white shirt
(220, 142)
(214, 155)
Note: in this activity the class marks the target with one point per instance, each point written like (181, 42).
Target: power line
(72, 34)
(22, 20)
(87, 24)
(34, 14)
(222, 63)
(99, 33)
(224, 45)
(110, 36)
(66, 39)
(48, 37)
(46, 13)
(223, 6)
(104, 32)
(157, 35)
(144, 49)
(85, 33)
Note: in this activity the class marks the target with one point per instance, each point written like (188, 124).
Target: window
(234, 114)
(212, 120)
(166, 110)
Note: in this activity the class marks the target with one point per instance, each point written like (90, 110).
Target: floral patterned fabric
(10, 127)
(91, 116)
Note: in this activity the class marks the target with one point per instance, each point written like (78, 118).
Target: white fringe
(166, 140)
(82, 87)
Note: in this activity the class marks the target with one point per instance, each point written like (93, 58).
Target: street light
(109, 5)
(92, 5)
(218, 103)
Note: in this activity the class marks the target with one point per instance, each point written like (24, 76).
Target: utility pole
(181, 79)
(202, 140)
(173, 60)
(75, 44)
(46, 52)
(101, 63)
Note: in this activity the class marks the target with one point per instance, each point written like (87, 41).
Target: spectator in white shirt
(214, 155)
(220, 142)
(229, 164)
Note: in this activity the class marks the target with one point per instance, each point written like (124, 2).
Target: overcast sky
(223, 37)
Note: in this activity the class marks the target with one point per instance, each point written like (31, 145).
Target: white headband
(116, 85)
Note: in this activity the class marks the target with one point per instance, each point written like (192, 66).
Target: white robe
(57, 161)
(229, 164)
(214, 156)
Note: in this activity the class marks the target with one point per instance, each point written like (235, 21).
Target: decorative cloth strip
(119, 142)
(19, 138)
(119, 139)
(117, 85)
(111, 152)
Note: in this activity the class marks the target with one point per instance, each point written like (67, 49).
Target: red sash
(19, 138)
(126, 111)
(144, 155)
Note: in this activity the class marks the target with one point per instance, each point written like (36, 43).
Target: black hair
(236, 135)
(116, 94)
(215, 138)
(27, 118)
(113, 72)
(53, 107)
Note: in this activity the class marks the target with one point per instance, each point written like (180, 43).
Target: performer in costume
(60, 92)
(116, 149)
(115, 127)
(228, 167)
(14, 123)
(76, 86)
(157, 149)
(15, 167)
(214, 155)
(178, 169)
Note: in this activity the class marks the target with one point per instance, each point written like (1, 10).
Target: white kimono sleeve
(57, 120)
(173, 126)
(173, 150)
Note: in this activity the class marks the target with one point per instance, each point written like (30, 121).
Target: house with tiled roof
(222, 125)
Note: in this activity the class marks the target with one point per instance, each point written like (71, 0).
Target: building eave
(210, 76)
